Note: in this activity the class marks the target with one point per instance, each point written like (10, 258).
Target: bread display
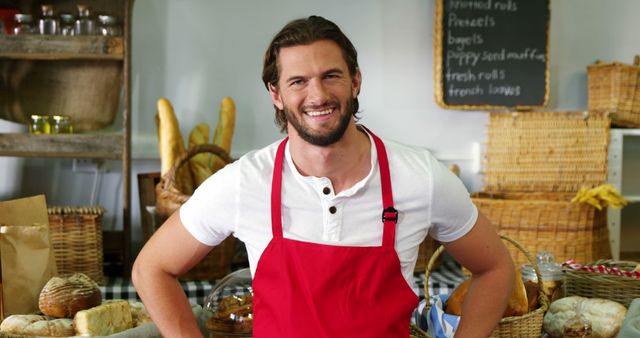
(233, 315)
(584, 317)
(108, 318)
(36, 325)
(62, 297)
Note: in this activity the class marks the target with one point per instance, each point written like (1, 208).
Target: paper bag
(27, 261)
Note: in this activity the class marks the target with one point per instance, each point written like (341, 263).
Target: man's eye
(297, 83)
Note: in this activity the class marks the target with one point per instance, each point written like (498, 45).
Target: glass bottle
(67, 24)
(85, 25)
(39, 124)
(23, 24)
(61, 124)
(48, 24)
(108, 26)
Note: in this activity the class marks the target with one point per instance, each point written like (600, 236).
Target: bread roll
(139, 313)
(103, 320)
(64, 296)
(36, 325)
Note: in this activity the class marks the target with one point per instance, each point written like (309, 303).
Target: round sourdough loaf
(36, 325)
(66, 295)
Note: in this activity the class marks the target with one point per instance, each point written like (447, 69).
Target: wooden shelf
(55, 47)
(97, 146)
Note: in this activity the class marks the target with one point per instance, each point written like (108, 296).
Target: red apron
(304, 289)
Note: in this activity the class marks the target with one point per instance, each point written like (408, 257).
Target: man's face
(315, 91)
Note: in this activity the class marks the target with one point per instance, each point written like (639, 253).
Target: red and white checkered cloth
(601, 269)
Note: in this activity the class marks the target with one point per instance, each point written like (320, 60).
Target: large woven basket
(76, 237)
(621, 289)
(427, 248)
(217, 263)
(615, 88)
(546, 151)
(548, 222)
(528, 325)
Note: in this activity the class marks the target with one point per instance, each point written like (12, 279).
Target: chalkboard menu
(492, 54)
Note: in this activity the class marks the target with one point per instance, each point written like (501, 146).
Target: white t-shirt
(429, 198)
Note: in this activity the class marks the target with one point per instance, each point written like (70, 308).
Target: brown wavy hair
(304, 32)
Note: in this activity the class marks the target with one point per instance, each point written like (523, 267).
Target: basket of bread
(71, 305)
(184, 169)
(522, 318)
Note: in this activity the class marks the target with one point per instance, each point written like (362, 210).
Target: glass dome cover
(229, 306)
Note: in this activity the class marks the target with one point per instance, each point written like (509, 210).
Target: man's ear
(356, 82)
(275, 96)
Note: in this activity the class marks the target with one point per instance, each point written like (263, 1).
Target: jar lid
(39, 117)
(61, 117)
(20, 17)
(107, 19)
(549, 269)
(47, 10)
(67, 17)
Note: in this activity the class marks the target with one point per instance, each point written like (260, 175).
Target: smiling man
(332, 216)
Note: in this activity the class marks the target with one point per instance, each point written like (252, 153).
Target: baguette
(223, 133)
(172, 146)
(199, 164)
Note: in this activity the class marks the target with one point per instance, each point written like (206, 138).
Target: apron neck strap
(389, 213)
(276, 187)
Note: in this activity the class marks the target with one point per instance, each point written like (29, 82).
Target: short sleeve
(209, 213)
(453, 214)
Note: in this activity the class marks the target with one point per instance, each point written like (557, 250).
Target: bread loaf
(36, 325)
(199, 164)
(172, 146)
(64, 296)
(599, 318)
(139, 313)
(518, 304)
(103, 320)
(223, 133)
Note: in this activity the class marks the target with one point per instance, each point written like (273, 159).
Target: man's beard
(329, 138)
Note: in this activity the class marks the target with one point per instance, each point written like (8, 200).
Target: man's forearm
(167, 303)
(484, 304)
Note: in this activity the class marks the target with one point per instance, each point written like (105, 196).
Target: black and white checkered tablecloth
(443, 280)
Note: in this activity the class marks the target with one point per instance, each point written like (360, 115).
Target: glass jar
(551, 273)
(108, 26)
(48, 23)
(85, 25)
(67, 24)
(23, 24)
(61, 124)
(229, 306)
(39, 124)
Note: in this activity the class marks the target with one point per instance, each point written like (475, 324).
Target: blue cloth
(439, 323)
(631, 325)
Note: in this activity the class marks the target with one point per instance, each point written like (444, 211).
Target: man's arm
(170, 252)
(483, 253)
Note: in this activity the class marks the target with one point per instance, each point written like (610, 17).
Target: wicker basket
(217, 263)
(548, 222)
(620, 289)
(615, 88)
(546, 151)
(168, 197)
(528, 325)
(76, 237)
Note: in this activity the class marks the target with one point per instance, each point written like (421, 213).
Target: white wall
(194, 52)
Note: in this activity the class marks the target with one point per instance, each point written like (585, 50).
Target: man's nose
(317, 92)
